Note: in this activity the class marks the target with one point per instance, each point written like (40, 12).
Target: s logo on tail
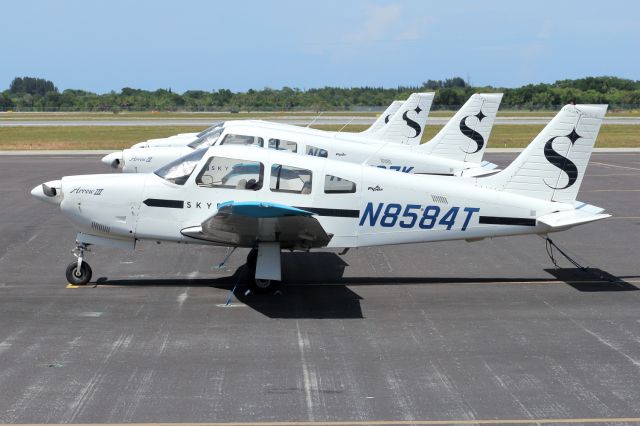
(472, 134)
(563, 163)
(415, 126)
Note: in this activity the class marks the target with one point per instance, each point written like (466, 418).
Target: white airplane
(404, 125)
(456, 150)
(384, 117)
(269, 200)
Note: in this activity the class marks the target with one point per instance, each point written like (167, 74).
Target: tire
(252, 261)
(256, 285)
(263, 286)
(78, 279)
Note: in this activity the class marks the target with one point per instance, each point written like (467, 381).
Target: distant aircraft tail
(465, 136)
(406, 126)
(384, 117)
(553, 165)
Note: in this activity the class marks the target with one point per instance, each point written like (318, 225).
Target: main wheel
(252, 260)
(259, 286)
(256, 285)
(78, 277)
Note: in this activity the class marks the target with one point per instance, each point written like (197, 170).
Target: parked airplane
(269, 200)
(456, 150)
(405, 125)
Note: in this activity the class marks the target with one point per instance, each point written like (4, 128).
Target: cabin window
(290, 179)
(316, 152)
(232, 139)
(231, 173)
(282, 145)
(179, 170)
(336, 185)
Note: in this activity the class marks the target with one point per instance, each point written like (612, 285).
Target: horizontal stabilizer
(488, 165)
(478, 171)
(567, 219)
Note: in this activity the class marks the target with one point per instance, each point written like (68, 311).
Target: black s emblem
(563, 163)
(472, 134)
(415, 126)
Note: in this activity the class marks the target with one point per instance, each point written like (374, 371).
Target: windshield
(209, 129)
(208, 139)
(178, 171)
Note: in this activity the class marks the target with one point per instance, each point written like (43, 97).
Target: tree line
(29, 93)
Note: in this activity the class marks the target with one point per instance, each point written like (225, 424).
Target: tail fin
(465, 136)
(385, 116)
(553, 165)
(406, 126)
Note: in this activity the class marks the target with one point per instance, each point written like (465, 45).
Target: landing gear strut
(258, 285)
(79, 272)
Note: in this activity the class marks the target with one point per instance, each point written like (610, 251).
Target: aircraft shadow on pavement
(592, 280)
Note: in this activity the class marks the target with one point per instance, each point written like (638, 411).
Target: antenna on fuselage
(314, 120)
(350, 121)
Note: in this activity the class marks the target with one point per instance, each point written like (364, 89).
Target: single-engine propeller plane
(388, 126)
(269, 200)
(456, 150)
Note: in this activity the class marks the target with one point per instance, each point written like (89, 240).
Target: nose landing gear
(79, 272)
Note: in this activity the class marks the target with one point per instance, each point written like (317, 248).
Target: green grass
(84, 137)
(118, 137)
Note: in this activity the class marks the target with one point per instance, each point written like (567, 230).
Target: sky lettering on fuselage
(198, 205)
(412, 215)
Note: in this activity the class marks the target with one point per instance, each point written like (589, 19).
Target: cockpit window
(282, 145)
(336, 185)
(207, 139)
(231, 139)
(231, 173)
(290, 179)
(178, 171)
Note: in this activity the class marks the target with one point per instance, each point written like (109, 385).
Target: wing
(244, 224)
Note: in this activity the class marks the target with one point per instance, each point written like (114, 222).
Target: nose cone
(113, 160)
(50, 192)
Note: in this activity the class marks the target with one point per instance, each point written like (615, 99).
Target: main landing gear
(261, 285)
(79, 272)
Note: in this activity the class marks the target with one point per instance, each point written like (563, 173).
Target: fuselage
(357, 204)
(392, 156)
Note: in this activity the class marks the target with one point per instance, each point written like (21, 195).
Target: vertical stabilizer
(465, 136)
(553, 165)
(406, 126)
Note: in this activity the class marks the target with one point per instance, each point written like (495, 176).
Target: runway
(301, 121)
(437, 333)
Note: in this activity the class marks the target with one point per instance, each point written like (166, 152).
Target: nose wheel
(79, 272)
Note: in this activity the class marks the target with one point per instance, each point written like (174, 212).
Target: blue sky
(209, 45)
